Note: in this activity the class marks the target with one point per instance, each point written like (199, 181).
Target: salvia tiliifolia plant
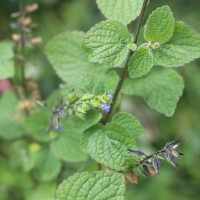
(83, 118)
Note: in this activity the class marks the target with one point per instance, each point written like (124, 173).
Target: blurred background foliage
(55, 16)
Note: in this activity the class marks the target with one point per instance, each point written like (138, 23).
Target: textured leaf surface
(92, 186)
(106, 43)
(47, 166)
(160, 25)
(182, 48)
(69, 60)
(140, 63)
(129, 122)
(6, 59)
(109, 145)
(161, 89)
(120, 10)
(11, 120)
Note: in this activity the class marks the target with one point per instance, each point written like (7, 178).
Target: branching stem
(125, 69)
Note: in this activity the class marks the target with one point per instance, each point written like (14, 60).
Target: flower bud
(87, 96)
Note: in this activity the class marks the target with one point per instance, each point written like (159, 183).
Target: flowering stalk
(70, 104)
(168, 152)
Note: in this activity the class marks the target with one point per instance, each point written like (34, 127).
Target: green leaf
(36, 125)
(68, 59)
(47, 166)
(93, 185)
(92, 117)
(129, 122)
(106, 43)
(160, 25)
(140, 63)
(67, 146)
(120, 10)
(108, 82)
(182, 48)
(44, 190)
(109, 146)
(11, 120)
(161, 89)
(6, 59)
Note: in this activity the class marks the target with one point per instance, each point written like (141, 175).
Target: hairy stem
(125, 69)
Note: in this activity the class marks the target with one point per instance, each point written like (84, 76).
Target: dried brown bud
(27, 21)
(131, 177)
(36, 40)
(25, 105)
(32, 8)
(16, 37)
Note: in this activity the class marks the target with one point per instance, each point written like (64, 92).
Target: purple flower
(110, 95)
(57, 127)
(105, 107)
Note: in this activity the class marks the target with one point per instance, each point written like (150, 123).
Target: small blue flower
(110, 95)
(105, 107)
(57, 127)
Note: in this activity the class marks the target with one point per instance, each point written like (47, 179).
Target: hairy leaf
(182, 48)
(120, 10)
(6, 59)
(161, 89)
(140, 63)
(93, 185)
(106, 43)
(109, 145)
(160, 25)
(129, 122)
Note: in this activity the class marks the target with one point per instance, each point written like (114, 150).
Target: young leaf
(109, 145)
(11, 121)
(182, 48)
(6, 59)
(158, 89)
(160, 25)
(120, 10)
(93, 185)
(106, 43)
(129, 122)
(140, 63)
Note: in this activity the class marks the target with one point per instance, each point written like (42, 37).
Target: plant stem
(21, 49)
(125, 69)
(22, 39)
(150, 156)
